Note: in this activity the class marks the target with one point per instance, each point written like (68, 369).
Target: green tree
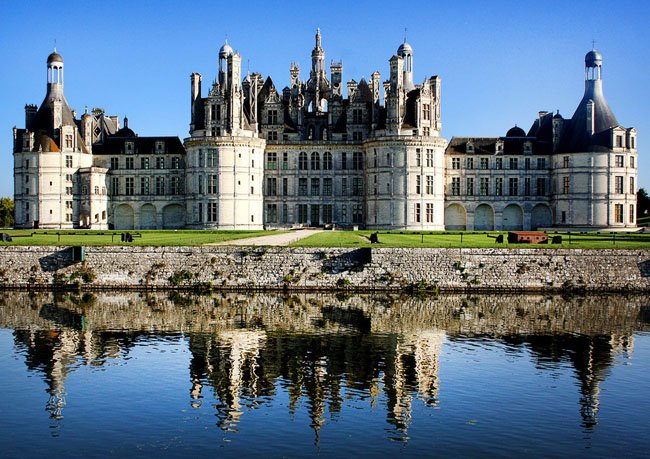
(6, 212)
(642, 204)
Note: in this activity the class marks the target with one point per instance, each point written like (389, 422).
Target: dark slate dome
(593, 59)
(54, 57)
(516, 132)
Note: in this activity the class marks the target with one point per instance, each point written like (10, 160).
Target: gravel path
(273, 239)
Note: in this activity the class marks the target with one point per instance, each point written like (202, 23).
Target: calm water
(122, 374)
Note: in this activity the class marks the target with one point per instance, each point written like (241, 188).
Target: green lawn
(604, 240)
(149, 238)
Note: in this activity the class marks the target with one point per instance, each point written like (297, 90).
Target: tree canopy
(6, 212)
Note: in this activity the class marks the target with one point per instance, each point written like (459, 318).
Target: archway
(123, 219)
(455, 217)
(513, 218)
(541, 216)
(173, 216)
(147, 217)
(484, 217)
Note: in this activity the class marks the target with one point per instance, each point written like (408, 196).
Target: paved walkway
(273, 239)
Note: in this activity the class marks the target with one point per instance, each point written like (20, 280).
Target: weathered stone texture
(327, 268)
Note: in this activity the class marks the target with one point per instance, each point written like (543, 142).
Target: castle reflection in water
(319, 348)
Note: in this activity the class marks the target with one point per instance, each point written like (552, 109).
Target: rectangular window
(200, 184)
(271, 186)
(302, 213)
(272, 117)
(285, 186)
(632, 162)
(619, 141)
(176, 162)
(429, 184)
(68, 161)
(498, 186)
(212, 184)
(565, 161)
(315, 215)
(357, 135)
(327, 187)
(357, 213)
(272, 135)
(211, 158)
(144, 163)
(541, 186)
(632, 187)
(632, 215)
(344, 186)
(128, 163)
(115, 163)
(541, 163)
(357, 161)
(200, 211)
(470, 186)
(418, 185)
(513, 186)
(455, 186)
(484, 163)
(115, 186)
(618, 213)
(485, 186)
(514, 163)
(272, 213)
(429, 158)
(566, 185)
(129, 186)
(357, 116)
(285, 161)
(619, 160)
(272, 161)
(429, 214)
(470, 163)
(160, 186)
(328, 214)
(144, 185)
(344, 161)
(160, 163)
(618, 184)
(418, 159)
(357, 186)
(455, 163)
(68, 141)
(498, 163)
(527, 186)
(212, 212)
(417, 212)
(327, 161)
(426, 112)
(302, 187)
(176, 185)
(527, 164)
(315, 187)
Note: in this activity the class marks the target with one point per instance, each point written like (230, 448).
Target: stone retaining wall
(221, 267)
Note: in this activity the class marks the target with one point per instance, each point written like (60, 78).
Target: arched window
(315, 161)
(302, 161)
(327, 161)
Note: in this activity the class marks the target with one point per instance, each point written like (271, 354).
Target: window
(498, 186)
(201, 162)
(285, 186)
(513, 186)
(357, 160)
(429, 214)
(470, 163)
(96, 191)
(455, 186)
(619, 160)
(160, 186)
(429, 184)
(541, 163)
(357, 186)
(212, 158)
(327, 161)
(115, 163)
(129, 186)
(212, 212)
(128, 148)
(357, 116)
(565, 161)
(327, 213)
(498, 163)
(618, 213)
(344, 161)
(302, 186)
(128, 163)
(302, 213)
(418, 159)
(632, 162)
(68, 140)
(272, 135)
(200, 184)
(631, 216)
(566, 185)
(272, 160)
(315, 187)
(176, 186)
(271, 186)
(344, 186)
(426, 112)
(417, 212)
(160, 147)
(315, 214)
(212, 184)
(418, 180)
(514, 163)
(426, 131)
(527, 164)
(619, 141)
(357, 135)
(176, 162)
(455, 163)
(144, 163)
(470, 186)
(285, 161)
(144, 185)
(327, 186)
(357, 213)
(315, 161)
(302, 161)
(160, 163)
(527, 186)
(484, 163)
(618, 184)
(115, 186)
(272, 213)
(484, 186)
(541, 186)
(272, 117)
(632, 188)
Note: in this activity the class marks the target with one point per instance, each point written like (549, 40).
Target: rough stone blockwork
(326, 269)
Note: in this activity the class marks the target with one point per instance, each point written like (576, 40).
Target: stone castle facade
(306, 155)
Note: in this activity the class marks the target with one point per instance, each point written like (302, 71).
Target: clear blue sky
(500, 61)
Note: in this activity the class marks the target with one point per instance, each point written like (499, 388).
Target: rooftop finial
(405, 30)
(318, 37)
(593, 44)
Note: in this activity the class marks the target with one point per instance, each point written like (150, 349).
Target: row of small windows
(314, 161)
(313, 214)
(619, 185)
(484, 188)
(145, 163)
(498, 163)
(314, 186)
(428, 212)
(175, 186)
(618, 213)
(159, 148)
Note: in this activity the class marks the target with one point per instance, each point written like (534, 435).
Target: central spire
(318, 38)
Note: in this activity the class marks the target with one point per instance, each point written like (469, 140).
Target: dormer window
(470, 147)
(528, 147)
(160, 147)
(129, 148)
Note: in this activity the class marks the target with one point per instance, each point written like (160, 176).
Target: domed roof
(404, 48)
(226, 50)
(593, 58)
(54, 57)
(516, 132)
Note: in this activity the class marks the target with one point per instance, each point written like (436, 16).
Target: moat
(173, 374)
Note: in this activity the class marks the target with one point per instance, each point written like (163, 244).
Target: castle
(259, 158)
